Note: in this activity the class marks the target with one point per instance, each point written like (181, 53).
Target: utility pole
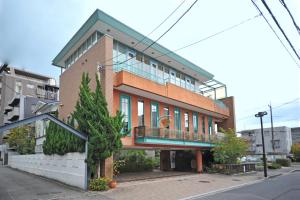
(260, 115)
(272, 128)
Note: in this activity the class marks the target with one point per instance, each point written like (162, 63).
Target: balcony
(15, 100)
(163, 136)
(41, 93)
(14, 114)
(169, 93)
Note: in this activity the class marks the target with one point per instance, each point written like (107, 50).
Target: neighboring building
(145, 85)
(296, 135)
(43, 107)
(282, 141)
(20, 91)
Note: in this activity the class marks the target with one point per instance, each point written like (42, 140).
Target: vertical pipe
(86, 178)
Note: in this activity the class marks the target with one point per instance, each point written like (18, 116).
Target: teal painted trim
(177, 109)
(157, 107)
(99, 15)
(125, 96)
(197, 123)
(160, 141)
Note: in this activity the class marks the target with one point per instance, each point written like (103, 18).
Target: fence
(234, 168)
(69, 168)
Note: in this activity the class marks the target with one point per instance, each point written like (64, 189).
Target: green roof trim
(99, 15)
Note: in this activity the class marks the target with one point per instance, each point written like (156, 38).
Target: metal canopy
(211, 85)
(43, 117)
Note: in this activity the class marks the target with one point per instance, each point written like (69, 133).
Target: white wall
(69, 168)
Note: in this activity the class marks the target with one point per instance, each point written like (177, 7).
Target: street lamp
(260, 115)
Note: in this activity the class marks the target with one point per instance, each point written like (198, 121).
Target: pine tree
(93, 118)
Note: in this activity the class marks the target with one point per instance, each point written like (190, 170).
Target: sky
(249, 59)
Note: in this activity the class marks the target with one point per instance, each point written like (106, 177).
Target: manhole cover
(203, 181)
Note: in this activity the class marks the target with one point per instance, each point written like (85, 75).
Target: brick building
(147, 85)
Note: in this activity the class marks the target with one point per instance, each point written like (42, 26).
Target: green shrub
(274, 166)
(284, 162)
(137, 161)
(99, 184)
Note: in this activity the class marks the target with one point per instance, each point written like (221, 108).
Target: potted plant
(116, 171)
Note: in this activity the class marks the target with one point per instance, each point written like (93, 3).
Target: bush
(99, 184)
(274, 166)
(296, 151)
(137, 161)
(284, 162)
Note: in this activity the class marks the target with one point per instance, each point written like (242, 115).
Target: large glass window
(186, 122)
(209, 125)
(195, 122)
(203, 124)
(178, 78)
(141, 121)
(125, 109)
(177, 120)
(182, 81)
(154, 115)
(167, 113)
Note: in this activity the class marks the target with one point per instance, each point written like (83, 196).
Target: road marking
(220, 190)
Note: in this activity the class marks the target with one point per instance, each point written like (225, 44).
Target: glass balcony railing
(163, 133)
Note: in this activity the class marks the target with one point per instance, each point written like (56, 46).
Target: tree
(22, 139)
(93, 118)
(296, 151)
(229, 148)
(60, 141)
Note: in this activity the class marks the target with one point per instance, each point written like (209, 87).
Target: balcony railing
(164, 133)
(46, 94)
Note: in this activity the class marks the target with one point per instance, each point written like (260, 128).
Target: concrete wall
(69, 169)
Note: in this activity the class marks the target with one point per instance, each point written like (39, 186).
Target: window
(186, 122)
(30, 86)
(178, 78)
(209, 125)
(141, 119)
(18, 87)
(125, 109)
(167, 113)
(276, 144)
(177, 120)
(195, 122)
(173, 80)
(160, 73)
(154, 115)
(203, 124)
(182, 82)
(166, 74)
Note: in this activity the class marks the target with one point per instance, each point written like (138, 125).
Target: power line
(274, 107)
(275, 33)
(158, 37)
(199, 41)
(153, 29)
(278, 25)
(288, 10)
(172, 25)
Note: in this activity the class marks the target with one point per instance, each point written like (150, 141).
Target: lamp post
(260, 115)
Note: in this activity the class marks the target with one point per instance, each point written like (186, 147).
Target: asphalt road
(285, 187)
(16, 185)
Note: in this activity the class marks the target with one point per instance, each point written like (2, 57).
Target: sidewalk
(184, 186)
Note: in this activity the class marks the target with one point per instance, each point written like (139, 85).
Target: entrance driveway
(16, 185)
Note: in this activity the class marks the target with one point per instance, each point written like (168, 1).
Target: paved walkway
(16, 185)
(184, 186)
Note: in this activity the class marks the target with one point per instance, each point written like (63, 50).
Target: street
(286, 187)
(16, 185)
